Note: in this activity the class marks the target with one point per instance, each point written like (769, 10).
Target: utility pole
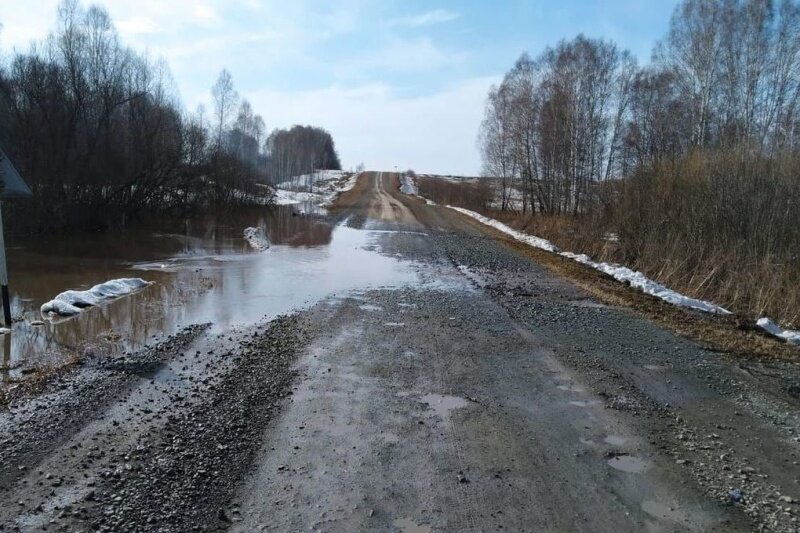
(4, 275)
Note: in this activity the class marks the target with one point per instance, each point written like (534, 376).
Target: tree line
(98, 132)
(726, 74)
(691, 162)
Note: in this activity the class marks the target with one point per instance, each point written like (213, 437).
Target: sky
(398, 83)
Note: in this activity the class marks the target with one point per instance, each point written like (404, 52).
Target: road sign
(11, 183)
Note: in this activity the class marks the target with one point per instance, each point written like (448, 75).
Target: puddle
(655, 368)
(629, 463)
(615, 440)
(371, 308)
(407, 525)
(571, 388)
(203, 271)
(584, 403)
(663, 511)
(443, 404)
(394, 324)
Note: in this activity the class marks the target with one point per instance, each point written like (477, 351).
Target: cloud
(205, 14)
(429, 18)
(136, 26)
(389, 98)
(24, 22)
(398, 55)
(373, 124)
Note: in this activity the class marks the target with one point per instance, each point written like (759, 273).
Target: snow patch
(320, 188)
(536, 242)
(70, 303)
(408, 185)
(646, 285)
(620, 273)
(307, 182)
(772, 328)
(284, 197)
(256, 238)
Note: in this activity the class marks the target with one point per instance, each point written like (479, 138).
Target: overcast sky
(397, 82)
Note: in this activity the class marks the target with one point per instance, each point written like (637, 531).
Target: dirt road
(482, 393)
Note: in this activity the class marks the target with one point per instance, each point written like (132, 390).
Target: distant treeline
(97, 131)
(727, 75)
(692, 161)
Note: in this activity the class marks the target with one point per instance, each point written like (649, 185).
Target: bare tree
(225, 99)
(100, 135)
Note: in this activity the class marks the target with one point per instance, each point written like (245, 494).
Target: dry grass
(732, 334)
(722, 226)
(474, 195)
(713, 264)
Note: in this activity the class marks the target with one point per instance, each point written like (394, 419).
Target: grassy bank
(722, 227)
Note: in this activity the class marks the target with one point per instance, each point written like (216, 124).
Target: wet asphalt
(486, 395)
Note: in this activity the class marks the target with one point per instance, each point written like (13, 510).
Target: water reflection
(205, 272)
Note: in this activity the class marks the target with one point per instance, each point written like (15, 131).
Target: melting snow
(633, 277)
(645, 284)
(408, 185)
(620, 273)
(774, 329)
(70, 303)
(325, 184)
(256, 238)
(536, 242)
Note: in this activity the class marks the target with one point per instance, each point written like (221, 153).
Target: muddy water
(203, 271)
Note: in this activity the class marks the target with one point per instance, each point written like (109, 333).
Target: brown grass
(732, 334)
(750, 288)
(719, 225)
(473, 195)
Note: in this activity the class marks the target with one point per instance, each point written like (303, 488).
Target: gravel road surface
(487, 394)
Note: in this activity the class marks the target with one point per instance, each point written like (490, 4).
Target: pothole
(443, 404)
(629, 464)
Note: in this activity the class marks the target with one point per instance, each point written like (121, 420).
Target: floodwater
(203, 271)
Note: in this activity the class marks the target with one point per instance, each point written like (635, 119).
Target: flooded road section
(203, 271)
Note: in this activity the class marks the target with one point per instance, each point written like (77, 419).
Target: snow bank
(306, 181)
(408, 185)
(256, 238)
(772, 328)
(633, 277)
(620, 273)
(336, 188)
(646, 285)
(70, 303)
(325, 184)
(536, 242)
(284, 197)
